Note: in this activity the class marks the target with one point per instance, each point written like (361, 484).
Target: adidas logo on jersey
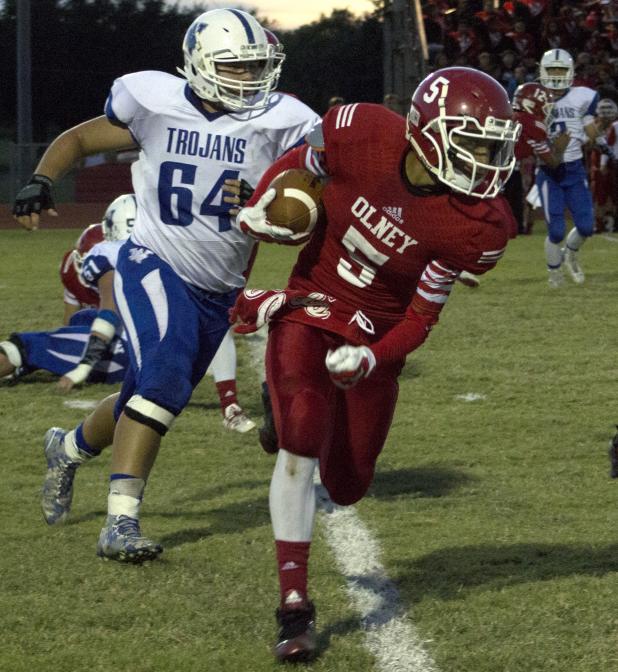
(393, 212)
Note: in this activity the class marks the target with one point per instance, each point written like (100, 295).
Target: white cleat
(236, 420)
(573, 267)
(555, 278)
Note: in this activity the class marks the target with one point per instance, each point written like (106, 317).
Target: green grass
(496, 517)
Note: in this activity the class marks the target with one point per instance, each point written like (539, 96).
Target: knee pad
(14, 351)
(150, 414)
(556, 229)
(584, 223)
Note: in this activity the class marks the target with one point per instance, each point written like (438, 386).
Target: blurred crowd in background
(507, 42)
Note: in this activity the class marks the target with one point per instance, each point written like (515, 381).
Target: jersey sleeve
(423, 312)
(95, 267)
(535, 134)
(121, 105)
(127, 103)
(432, 293)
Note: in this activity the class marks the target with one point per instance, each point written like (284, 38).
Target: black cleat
(613, 456)
(267, 432)
(296, 642)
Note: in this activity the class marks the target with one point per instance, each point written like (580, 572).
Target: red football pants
(344, 429)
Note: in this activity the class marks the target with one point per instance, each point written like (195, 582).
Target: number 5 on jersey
(355, 242)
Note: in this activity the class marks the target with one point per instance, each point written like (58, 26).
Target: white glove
(349, 363)
(253, 221)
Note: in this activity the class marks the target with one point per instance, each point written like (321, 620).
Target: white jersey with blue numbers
(572, 113)
(186, 155)
(100, 259)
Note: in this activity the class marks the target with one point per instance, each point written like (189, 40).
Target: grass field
(496, 517)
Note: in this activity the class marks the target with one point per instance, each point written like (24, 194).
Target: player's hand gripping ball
(298, 201)
(287, 211)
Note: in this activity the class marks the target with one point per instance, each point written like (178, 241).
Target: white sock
(125, 497)
(223, 365)
(553, 255)
(292, 497)
(575, 240)
(72, 451)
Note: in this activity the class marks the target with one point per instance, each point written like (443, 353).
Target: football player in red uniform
(602, 168)
(409, 203)
(77, 294)
(532, 104)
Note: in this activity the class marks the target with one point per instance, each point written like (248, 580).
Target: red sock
(292, 559)
(227, 393)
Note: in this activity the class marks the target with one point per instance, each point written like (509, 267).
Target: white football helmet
(230, 36)
(119, 218)
(556, 58)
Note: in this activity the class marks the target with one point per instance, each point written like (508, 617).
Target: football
(298, 203)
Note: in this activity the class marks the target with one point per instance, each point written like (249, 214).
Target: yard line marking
(609, 237)
(471, 396)
(82, 404)
(389, 632)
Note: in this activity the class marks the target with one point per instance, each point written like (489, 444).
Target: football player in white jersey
(97, 272)
(566, 186)
(182, 268)
(91, 346)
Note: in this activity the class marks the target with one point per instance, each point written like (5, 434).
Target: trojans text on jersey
(212, 146)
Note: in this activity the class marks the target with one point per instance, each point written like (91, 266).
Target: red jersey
(387, 252)
(533, 140)
(75, 291)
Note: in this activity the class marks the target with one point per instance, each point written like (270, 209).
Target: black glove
(34, 197)
(246, 191)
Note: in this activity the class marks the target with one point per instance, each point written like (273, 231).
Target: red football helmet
(533, 98)
(274, 40)
(89, 237)
(458, 115)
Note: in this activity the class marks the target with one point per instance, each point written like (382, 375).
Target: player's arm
(595, 124)
(348, 364)
(595, 129)
(91, 137)
(105, 326)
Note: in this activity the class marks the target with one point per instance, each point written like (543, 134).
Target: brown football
(298, 203)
